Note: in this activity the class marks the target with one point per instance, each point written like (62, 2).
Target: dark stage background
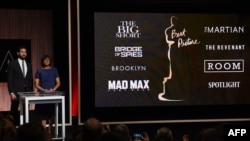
(45, 25)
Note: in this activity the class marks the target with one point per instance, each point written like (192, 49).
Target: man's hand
(12, 96)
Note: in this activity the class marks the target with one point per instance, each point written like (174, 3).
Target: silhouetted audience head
(110, 136)
(7, 128)
(212, 134)
(92, 129)
(123, 130)
(32, 132)
(77, 135)
(164, 134)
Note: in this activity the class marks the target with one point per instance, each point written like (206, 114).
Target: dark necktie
(23, 68)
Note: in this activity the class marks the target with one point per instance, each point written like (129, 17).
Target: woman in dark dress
(46, 80)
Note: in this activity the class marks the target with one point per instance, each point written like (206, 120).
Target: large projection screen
(153, 59)
(142, 63)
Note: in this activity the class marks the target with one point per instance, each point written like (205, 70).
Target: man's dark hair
(21, 47)
(32, 131)
(212, 134)
(7, 128)
(123, 130)
(164, 134)
(110, 136)
(92, 129)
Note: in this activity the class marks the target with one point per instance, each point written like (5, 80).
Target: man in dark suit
(20, 79)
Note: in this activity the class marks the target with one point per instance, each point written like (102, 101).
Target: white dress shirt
(25, 65)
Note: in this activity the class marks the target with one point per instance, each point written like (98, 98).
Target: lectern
(56, 98)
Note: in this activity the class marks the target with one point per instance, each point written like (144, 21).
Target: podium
(57, 97)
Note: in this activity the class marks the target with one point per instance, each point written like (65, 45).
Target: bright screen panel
(159, 59)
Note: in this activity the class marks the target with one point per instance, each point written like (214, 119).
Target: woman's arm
(58, 83)
(37, 85)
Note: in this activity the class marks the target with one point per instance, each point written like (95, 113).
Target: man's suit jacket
(16, 81)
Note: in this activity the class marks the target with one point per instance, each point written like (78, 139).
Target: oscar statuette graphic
(163, 96)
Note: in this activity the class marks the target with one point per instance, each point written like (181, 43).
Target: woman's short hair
(43, 58)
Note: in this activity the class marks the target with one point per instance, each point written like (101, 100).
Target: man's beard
(22, 57)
